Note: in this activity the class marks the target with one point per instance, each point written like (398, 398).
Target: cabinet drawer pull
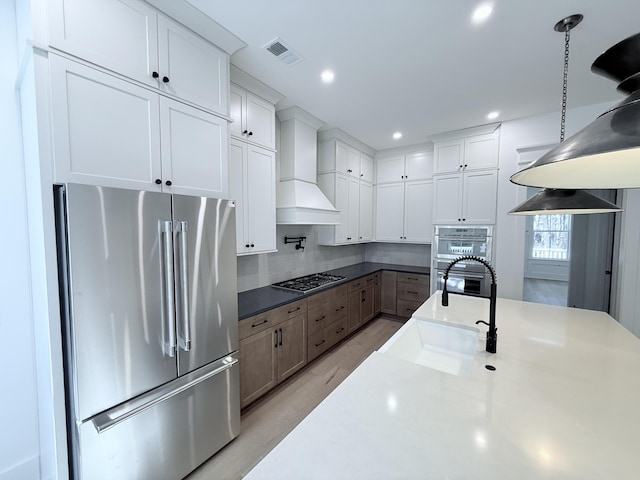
(341, 308)
(294, 310)
(413, 278)
(341, 329)
(409, 291)
(321, 318)
(321, 342)
(253, 325)
(356, 284)
(369, 280)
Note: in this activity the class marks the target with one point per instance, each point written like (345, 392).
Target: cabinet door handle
(244, 132)
(165, 79)
(362, 294)
(250, 133)
(168, 183)
(276, 335)
(349, 170)
(320, 343)
(247, 245)
(158, 181)
(253, 325)
(155, 74)
(252, 245)
(280, 330)
(294, 310)
(321, 318)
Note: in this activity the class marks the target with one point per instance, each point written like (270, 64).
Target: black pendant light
(558, 200)
(606, 153)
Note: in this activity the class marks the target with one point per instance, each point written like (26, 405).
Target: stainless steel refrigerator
(148, 286)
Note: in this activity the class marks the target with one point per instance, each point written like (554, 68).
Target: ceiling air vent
(282, 52)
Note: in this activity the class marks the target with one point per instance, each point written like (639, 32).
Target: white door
(105, 130)
(448, 156)
(354, 210)
(342, 205)
(418, 223)
(237, 178)
(237, 111)
(365, 228)
(390, 169)
(480, 196)
(194, 151)
(447, 199)
(419, 166)
(481, 151)
(261, 199)
(120, 35)
(389, 212)
(260, 123)
(192, 68)
(353, 162)
(366, 168)
(341, 158)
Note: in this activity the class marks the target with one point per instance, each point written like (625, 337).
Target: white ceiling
(420, 66)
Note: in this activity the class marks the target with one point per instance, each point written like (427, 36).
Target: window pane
(551, 237)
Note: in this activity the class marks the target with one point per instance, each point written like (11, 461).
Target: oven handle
(460, 275)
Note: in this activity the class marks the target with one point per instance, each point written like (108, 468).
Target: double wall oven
(451, 242)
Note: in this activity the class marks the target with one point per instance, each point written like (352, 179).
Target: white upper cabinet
(403, 212)
(252, 185)
(110, 132)
(337, 156)
(465, 198)
(253, 118)
(134, 40)
(476, 152)
(404, 167)
(365, 213)
(354, 200)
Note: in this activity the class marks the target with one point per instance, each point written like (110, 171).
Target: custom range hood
(299, 201)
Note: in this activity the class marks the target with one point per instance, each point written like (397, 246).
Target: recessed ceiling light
(482, 12)
(397, 135)
(492, 115)
(327, 76)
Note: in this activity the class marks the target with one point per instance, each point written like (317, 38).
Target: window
(551, 237)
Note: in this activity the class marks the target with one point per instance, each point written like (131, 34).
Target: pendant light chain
(564, 82)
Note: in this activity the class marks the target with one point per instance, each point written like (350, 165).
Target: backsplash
(255, 271)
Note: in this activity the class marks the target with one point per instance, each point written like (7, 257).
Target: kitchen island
(563, 402)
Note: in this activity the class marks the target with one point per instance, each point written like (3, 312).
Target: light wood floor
(265, 423)
(549, 292)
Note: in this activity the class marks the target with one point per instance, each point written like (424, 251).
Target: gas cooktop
(308, 282)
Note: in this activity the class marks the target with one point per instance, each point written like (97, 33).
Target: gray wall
(256, 271)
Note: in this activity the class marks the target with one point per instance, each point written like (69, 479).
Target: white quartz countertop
(563, 402)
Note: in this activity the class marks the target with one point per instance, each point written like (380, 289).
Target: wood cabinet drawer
(413, 278)
(407, 307)
(326, 296)
(321, 341)
(412, 291)
(319, 317)
(361, 282)
(270, 318)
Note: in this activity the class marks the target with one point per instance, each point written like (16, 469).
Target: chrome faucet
(492, 334)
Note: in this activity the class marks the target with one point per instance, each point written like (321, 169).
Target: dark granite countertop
(258, 300)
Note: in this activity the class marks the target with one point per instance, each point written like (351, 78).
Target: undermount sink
(443, 346)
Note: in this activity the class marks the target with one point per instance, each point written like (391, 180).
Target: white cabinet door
(260, 123)
(237, 110)
(354, 209)
(342, 205)
(418, 223)
(261, 199)
(390, 169)
(120, 35)
(448, 156)
(366, 168)
(447, 199)
(105, 130)
(237, 179)
(365, 227)
(192, 68)
(418, 166)
(194, 150)
(389, 208)
(480, 196)
(353, 162)
(341, 159)
(480, 152)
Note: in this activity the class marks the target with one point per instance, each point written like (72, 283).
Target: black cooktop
(308, 282)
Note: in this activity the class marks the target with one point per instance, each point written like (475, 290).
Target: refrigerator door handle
(166, 229)
(106, 420)
(185, 326)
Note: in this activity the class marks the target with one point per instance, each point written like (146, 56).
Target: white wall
(627, 303)
(510, 230)
(19, 434)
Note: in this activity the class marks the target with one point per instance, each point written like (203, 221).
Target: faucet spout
(492, 333)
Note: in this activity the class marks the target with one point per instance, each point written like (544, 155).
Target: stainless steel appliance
(465, 277)
(309, 282)
(148, 290)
